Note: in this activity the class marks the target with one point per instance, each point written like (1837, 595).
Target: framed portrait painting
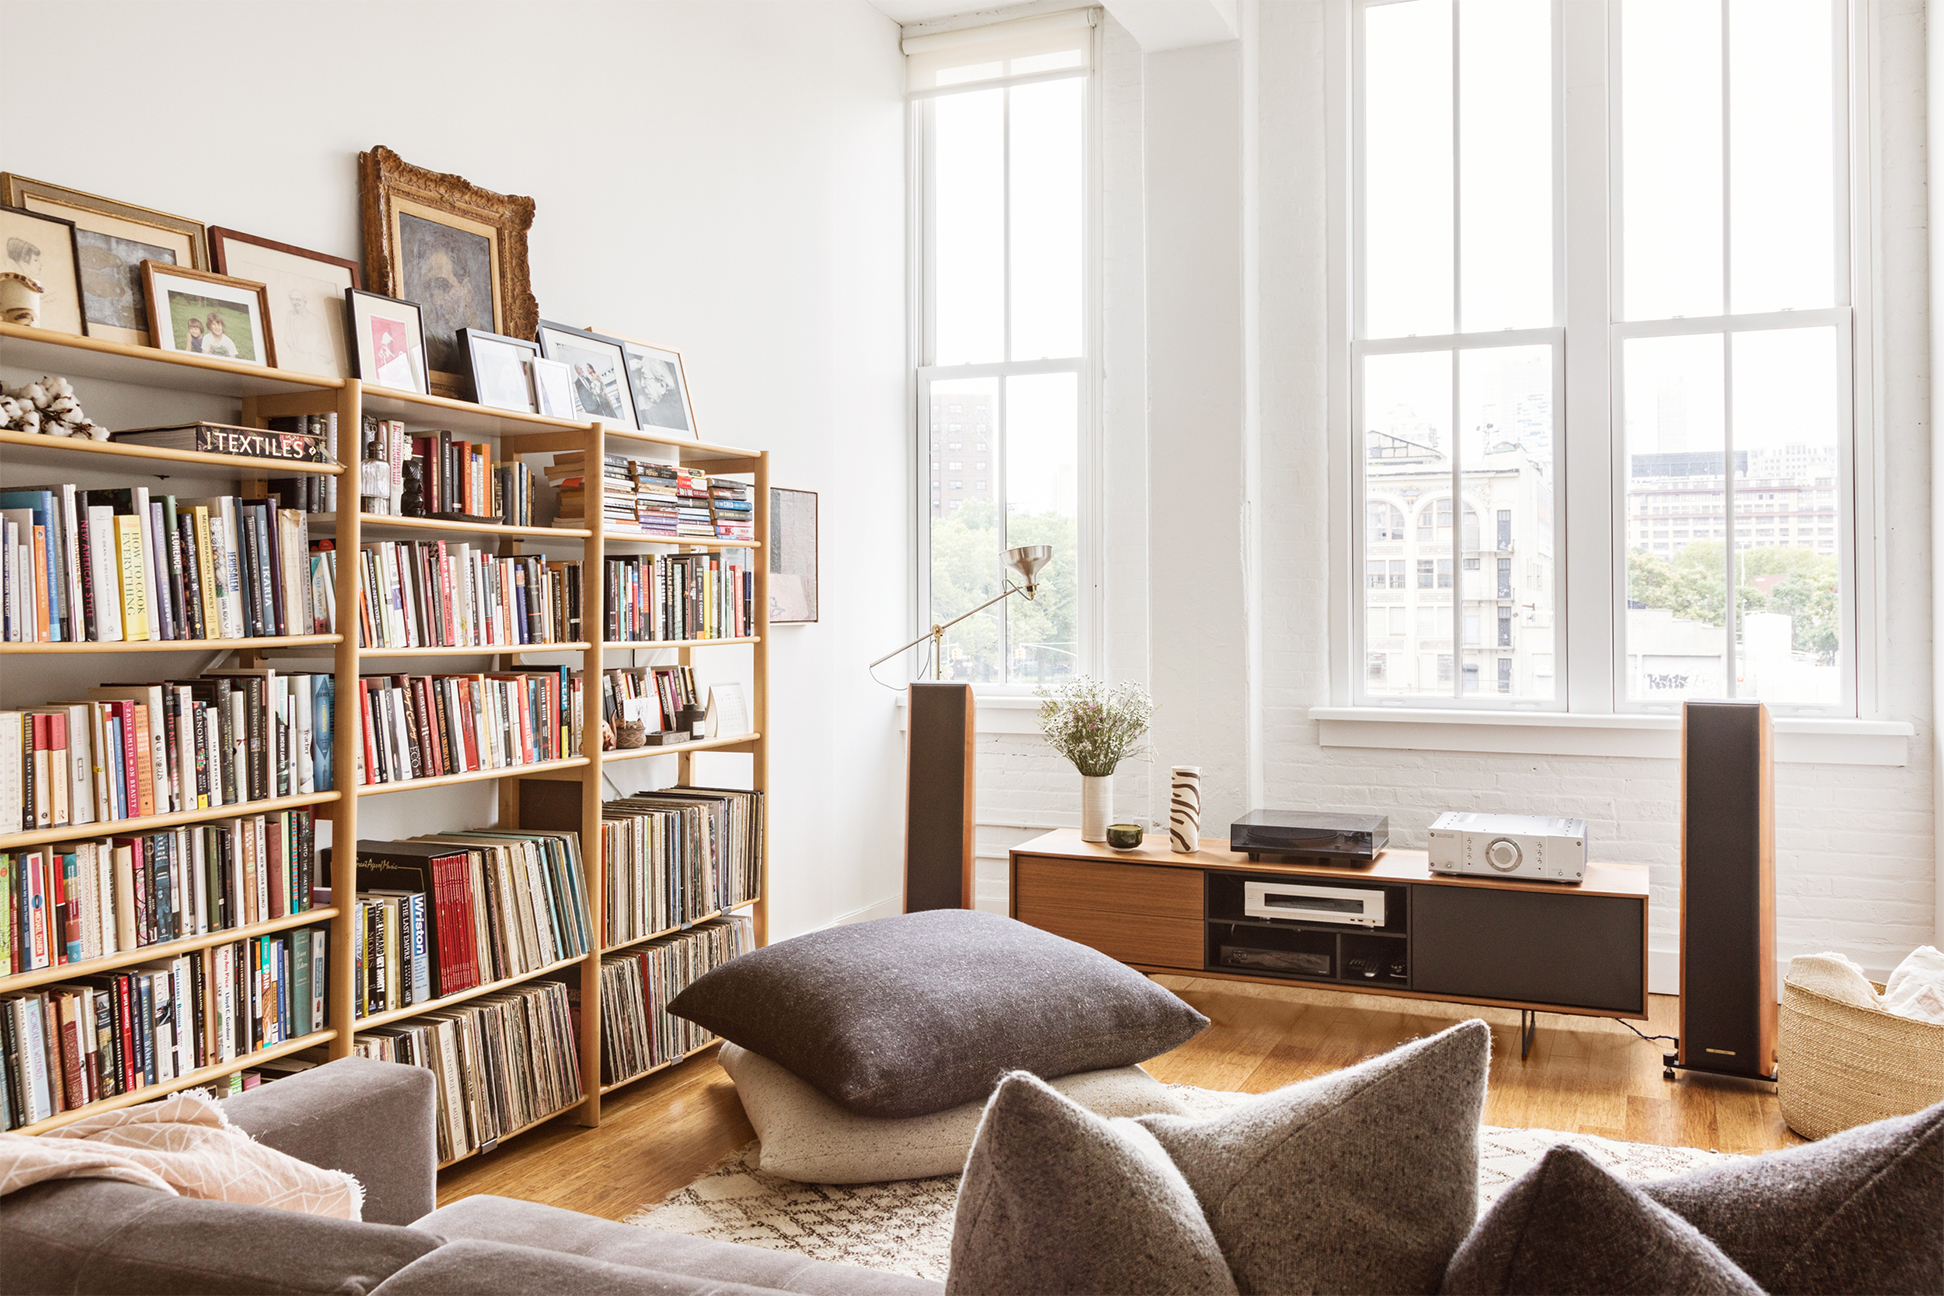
(112, 239)
(792, 556)
(206, 314)
(387, 340)
(599, 368)
(306, 294)
(499, 369)
(45, 249)
(457, 250)
(660, 388)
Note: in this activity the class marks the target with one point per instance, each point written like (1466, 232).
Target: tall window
(1725, 284)
(1002, 119)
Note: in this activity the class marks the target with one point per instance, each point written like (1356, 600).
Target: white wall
(727, 178)
(1239, 443)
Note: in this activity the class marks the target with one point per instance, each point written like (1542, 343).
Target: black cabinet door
(1577, 951)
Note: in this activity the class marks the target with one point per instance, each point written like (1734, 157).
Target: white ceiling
(915, 11)
(1156, 24)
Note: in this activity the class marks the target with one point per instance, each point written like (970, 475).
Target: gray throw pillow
(1364, 1180)
(1860, 1211)
(1568, 1228)
(1057, 1199)
(915, 1014)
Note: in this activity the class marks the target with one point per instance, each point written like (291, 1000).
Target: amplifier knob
(1503, 855)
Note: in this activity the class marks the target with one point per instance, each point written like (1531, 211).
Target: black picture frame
(607, 393)
(479, 345)
(366, 365)
(8, 261)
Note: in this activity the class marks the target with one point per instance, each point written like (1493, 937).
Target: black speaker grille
(1721, 897)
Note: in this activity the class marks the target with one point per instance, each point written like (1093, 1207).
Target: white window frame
(1589, 443)
(921, 343)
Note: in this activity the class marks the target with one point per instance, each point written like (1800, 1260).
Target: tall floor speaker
(1728, 889)
(939, 817)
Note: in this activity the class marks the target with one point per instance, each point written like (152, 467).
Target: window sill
(1798, 740)
(1011, 713)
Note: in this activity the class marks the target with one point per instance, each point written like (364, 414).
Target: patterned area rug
(906, 1227)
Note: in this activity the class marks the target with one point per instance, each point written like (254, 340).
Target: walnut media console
(1534, 946)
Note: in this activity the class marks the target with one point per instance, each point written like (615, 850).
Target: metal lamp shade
(1027, 561)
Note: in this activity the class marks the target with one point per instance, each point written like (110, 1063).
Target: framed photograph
(599, 365)
(498, 368)
(660, 387)
(456, 249)
(306, 293)
(112, 239)
(387, 340)
(792, 556)
(208, 314)
(45, 249)
(553, 387)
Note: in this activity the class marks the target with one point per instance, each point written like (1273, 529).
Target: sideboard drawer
(1151, 916)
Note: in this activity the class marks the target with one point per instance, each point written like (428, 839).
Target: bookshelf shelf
(610, 1087)
(622, 535)
(173, 645)
(67, 452)
(202, 1075)
(647, 645)
(484, 650)
(459, 416)
(391, 1015)
(83, 357)
(700, 744)
(163, 950)
(149, 823)
(323, 523)
(532, 1124)
(673, 931)
(474, 776)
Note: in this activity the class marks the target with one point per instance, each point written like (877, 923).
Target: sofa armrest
(471, 1268)
(375, 1120)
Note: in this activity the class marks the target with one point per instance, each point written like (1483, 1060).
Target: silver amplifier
(1529, 847)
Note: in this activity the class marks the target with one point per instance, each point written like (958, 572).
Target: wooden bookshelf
(200, 1076)
(612, 1085)
(260, 394)
(673, 931)
(162, 950)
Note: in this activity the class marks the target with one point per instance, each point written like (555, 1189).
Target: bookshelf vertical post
(346, 738)
(759, 690)
(593, 865)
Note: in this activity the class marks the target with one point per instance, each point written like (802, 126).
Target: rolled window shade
(1061, 42)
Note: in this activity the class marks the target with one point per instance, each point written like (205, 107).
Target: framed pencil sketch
(45, 249)
(112, 240)
(208, 314)
(792, 556)
(306, 293)
(457, 250)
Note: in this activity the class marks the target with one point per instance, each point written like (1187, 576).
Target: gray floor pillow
(915, 1014)
(1364, 1180)
(1568, 1228)
(1057, 1199)
(1862, 1211)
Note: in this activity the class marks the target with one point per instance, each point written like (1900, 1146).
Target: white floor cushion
(809, 1138)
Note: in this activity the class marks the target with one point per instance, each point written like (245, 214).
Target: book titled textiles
(230, 439)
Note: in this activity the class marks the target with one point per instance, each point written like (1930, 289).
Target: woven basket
(1843, 1066)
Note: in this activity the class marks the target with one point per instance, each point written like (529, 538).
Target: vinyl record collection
(677, 855)
(637, 1031)
(651, 597)
(502, 1061)
(96, 1037)
(426, 726)
(417, 594)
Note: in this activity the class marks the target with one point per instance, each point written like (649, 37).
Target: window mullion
(1731, 611)
(1457, 326)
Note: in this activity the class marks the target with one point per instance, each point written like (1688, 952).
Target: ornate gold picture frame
(458, 251)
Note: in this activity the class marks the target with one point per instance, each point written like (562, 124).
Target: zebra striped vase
(1184, 810)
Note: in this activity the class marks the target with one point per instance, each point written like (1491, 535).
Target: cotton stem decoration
(1096, 727)
(47, 407)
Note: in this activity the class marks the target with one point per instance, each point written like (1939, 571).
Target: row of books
(502, 1061)
(311, 492)
(655, 695)
(442, 914)
(661, 500)
(638, 1033)
(567, 474)
(418, 594)
(676, 855)
(679, 596)
(131, 750)
(436, 475)
(72, 1044)
(125, 566)
(672, 501)
(93, 899)
(426, 726)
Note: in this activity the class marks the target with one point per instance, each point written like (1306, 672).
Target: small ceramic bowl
(1124, 836)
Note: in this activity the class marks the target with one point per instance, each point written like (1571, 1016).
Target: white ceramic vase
(1184, 810)
(1096, 806)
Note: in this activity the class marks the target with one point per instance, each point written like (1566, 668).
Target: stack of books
(502, 1061)
(657, 502)
(515, 499)
(677, 855)
(426, 726)
(313, 493)
(693, 517)
(567, 473)
(131, 750)
(653, 597)
(76, 1043)
(126, 566)
(654, 695)
(77, 901)
(638, 1033)
(735, 510)
(417, 594)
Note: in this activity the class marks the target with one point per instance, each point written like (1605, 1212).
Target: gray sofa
(375, 1120)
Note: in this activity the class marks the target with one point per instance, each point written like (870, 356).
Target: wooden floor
(1586, 1075)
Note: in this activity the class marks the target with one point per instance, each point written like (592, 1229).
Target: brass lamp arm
(937, 633)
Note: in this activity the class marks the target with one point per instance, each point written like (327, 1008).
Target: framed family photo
(457, 250)
(201, 313)
(660, 387)
(499, 369)
(387, 340)
(306, 294)
(599, 368)
(45, 249)
(112, 239)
